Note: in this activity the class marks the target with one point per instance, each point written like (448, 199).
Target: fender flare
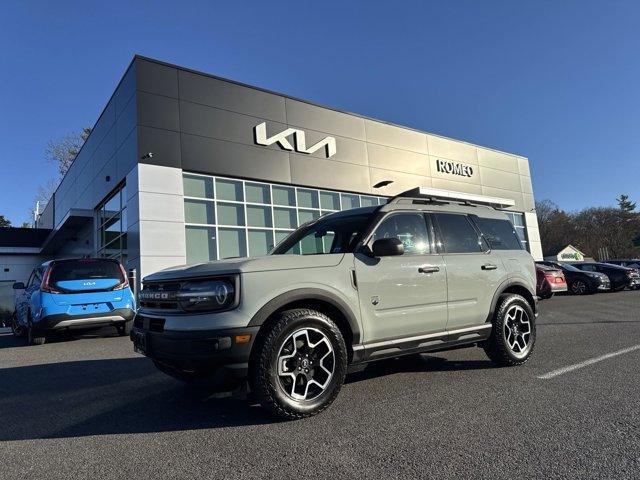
(501, 289)
(301, 294)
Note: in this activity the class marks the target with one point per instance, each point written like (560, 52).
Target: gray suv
(425, 272)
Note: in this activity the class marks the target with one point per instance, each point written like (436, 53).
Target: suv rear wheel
(33, 336)
(299, 364)
(513, 334)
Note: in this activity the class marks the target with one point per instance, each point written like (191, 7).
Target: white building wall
(533, 232)
(156, 238)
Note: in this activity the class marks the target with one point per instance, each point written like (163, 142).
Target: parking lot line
(586, 363)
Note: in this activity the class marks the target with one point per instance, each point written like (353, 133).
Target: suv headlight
(209, 295)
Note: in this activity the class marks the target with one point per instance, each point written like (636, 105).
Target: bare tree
(4, 222)
(64, 151)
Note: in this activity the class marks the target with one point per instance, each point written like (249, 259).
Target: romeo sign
(454, 168)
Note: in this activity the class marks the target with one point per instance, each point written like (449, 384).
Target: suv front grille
(160, 296)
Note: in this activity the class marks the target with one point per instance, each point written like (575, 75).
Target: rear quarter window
(85, 270)
(499, 234)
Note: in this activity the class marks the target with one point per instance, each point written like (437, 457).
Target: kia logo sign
(299, 140)
(454, 168)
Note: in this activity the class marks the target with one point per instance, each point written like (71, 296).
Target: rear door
(473, 271)
(404, 295)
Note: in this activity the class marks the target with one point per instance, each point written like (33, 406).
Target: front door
(405, 295)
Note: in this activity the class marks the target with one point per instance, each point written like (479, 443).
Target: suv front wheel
(514, 332)
(299, 364)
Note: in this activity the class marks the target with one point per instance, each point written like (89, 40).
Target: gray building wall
(200, 123)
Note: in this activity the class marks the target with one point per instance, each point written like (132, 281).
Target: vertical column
(533, 233)
(156, 218)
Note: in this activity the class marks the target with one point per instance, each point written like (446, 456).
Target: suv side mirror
(387, 247)
(18, 286)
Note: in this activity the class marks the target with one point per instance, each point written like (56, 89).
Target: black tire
(268, 386)
(546, 296)
(497, 346)
(124, 329)
(34, 337)
(17, 329)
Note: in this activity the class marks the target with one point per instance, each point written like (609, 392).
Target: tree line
(597, 231)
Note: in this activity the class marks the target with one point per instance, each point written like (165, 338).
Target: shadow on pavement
(99, 397)
(417, 363)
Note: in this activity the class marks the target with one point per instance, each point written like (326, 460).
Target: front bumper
(215, 356)
(63, 320)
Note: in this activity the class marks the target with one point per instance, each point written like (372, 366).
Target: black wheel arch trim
(302, 294)
(505, 286)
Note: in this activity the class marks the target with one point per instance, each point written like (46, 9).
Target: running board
(419, 344)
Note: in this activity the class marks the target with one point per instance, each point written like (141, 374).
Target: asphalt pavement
(88, 407)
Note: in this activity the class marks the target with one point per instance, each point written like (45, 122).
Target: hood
(246, 265)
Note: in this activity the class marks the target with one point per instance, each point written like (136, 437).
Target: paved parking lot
(91, 408)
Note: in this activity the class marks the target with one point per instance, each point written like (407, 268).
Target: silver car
(427, 271)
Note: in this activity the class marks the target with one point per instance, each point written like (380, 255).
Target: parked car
(632, 263)
(621, 277)
(74, 293)
(549, 281)
(629, 263)
(579, 282)
(423, 272)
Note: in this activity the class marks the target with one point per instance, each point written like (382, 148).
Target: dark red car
(549, 281)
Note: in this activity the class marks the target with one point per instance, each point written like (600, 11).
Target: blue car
(68, 294)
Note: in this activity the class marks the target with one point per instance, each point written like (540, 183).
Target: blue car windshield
(85, 269)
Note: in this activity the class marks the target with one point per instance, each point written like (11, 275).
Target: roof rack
(436, 194)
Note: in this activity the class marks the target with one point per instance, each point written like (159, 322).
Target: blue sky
(556, 81)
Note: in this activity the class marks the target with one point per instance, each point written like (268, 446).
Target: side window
(587, 268)
(409, 228)
(458, 234)
(499, 234)
(31, 278)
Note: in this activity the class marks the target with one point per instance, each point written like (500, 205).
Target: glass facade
(227, 218)
(111, 219)
(518, 222)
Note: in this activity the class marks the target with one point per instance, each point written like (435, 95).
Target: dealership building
(184, 167)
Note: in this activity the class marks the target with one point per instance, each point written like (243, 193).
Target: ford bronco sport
(430, 270)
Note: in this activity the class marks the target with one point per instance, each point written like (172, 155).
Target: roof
(23, 237)
(557, 250)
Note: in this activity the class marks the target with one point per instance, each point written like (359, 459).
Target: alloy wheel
(517, 330)
(579, 287)
(306, 364)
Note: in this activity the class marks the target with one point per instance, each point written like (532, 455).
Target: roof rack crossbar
(436, 194)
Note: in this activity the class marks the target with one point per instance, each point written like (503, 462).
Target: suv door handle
(428, 269)
(489, 266)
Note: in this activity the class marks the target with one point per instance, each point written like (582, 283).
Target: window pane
(280, 235)
(260, 242)
(284, 196)
(307, 215)
(229, 190)
(410, 229)
(350, 201)
(368, 201)
(230, 214)
(329, 201)
(112, 207)
(307, 198)
(284, 217)
(258, 216)
(232, 242)
(457, 233)
(257, 193)
(124, 224)
(517, 219)
(201, 244)
(195, 186)
(498, 233)
(199, 211)
(382, 200)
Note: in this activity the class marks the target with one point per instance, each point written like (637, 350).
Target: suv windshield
(84, 270)
(336, 233)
